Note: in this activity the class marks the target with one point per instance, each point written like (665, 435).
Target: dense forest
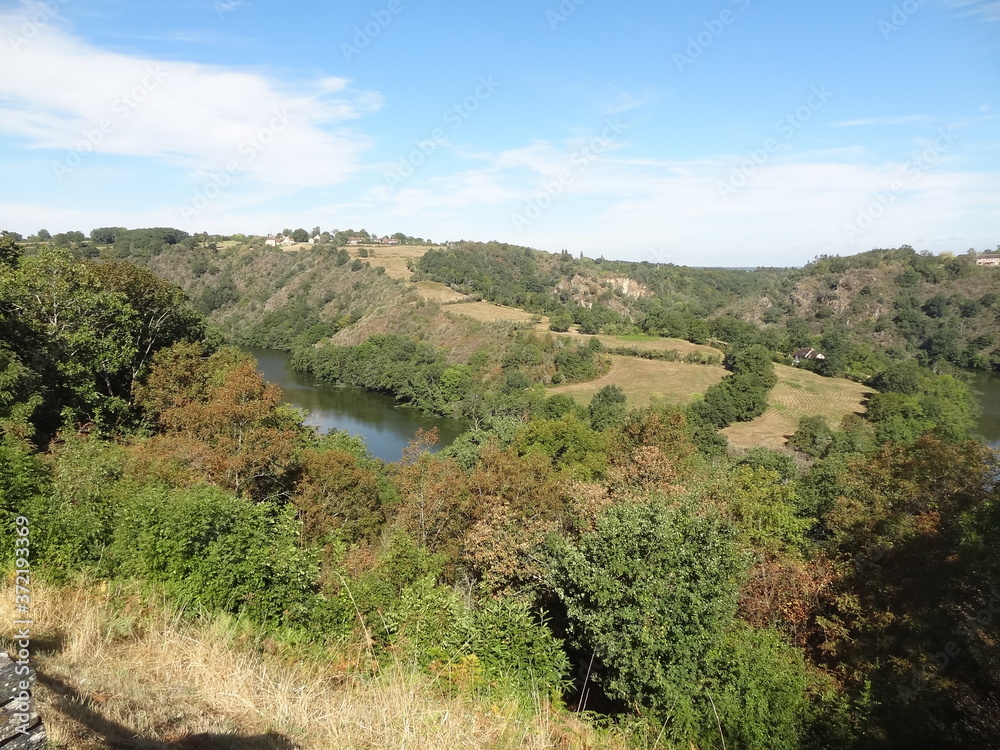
(619, 562)
(861, 310)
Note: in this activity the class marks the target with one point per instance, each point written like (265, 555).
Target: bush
(212, 549)
(649, 593)
(758, 685)
(499, 643)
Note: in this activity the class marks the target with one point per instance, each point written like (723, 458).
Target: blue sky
(731, 132)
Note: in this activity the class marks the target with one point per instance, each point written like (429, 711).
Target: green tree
(607, 407)
(649, 592)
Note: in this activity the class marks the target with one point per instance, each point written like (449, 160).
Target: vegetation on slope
(836, 596)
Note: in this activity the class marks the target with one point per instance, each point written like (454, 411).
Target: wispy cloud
(988, 9)
(57, 88)
(877, 121)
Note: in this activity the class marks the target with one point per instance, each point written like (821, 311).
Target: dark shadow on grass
(76, 705)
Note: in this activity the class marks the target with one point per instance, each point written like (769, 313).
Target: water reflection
(986, 388)
(385, 426)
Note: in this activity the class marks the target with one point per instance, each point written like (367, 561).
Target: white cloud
(868, 121)
(988, 9)
(795, 206)
(56, 89)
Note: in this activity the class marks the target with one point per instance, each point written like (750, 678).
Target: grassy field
(644, 343)
(211, 684)
(798, 393)
(644, 380)
(435, 291)
(393, 258)
(487, 312)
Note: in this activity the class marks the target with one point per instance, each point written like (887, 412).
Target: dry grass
(650, 344)
(645, 379)
(435, 291)
(393, 258)
(487, 312)
(798, 393)
(118, 672)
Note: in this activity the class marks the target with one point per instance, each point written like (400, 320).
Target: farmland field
(644, 380)
(643, 343)
(798, 393)
(393, 258)
(487, 312)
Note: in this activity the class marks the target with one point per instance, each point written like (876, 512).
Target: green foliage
(568, 443)
(144, 243)
(764, 509)
(24, 479)
(765, 458)
(414, 372)
(649, 592)
(498, 643)
(743, 395)
(296, 325)
(560, 321)
(942, 405)
(813, 437)
(758, 685)
(86, 332)
(215, 550)
(575, 363)
(10, 251)
(607, 407)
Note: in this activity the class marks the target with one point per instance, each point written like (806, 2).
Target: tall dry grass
(119, 670)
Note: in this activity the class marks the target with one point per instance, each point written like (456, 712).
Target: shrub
(213, 549)
(648, 593)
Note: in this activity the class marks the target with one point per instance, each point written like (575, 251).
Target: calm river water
(385, 426)
(388, 427)
(986, 386)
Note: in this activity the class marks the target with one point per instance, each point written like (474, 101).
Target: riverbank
(385, 426)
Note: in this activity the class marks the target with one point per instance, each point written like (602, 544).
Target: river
(385, 426)
(986, 387)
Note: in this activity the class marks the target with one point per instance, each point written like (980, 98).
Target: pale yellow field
(435, 291)
(643, 380)
(487, 312)
(393, 258)
(644, 345)
(798, 393)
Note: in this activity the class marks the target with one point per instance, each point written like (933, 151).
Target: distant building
(355, 240)
(272, 241)
(806, 352)
(388, 241)
(988, 259)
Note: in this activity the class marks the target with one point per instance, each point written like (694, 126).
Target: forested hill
(857, 309)
(839, 593)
